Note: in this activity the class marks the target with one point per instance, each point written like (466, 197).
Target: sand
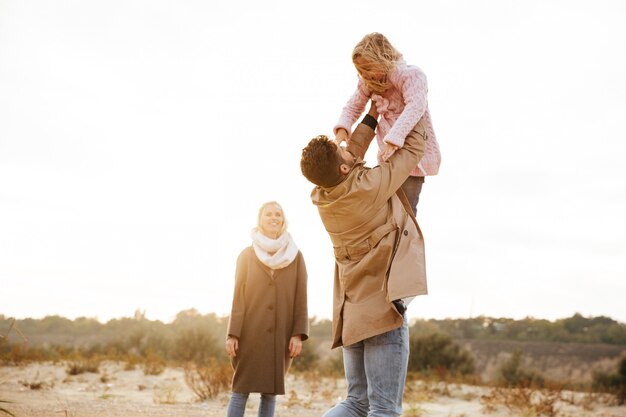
(45, 389)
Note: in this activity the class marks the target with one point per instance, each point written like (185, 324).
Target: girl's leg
(267, 405)
(237, 404)
(412, 188)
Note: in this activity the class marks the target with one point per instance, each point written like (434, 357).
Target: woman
(269, 316)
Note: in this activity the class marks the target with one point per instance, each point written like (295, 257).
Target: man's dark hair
(320, 162)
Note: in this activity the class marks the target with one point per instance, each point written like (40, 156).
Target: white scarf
(283, 249)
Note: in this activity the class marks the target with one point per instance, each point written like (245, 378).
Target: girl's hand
(387, 151)
(232, 344)
(341, 136)
(295, 346)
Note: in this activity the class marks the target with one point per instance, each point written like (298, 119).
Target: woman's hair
(320, 162)
(381, 56)
(272, 203)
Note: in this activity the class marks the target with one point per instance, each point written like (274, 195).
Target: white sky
(139, 138)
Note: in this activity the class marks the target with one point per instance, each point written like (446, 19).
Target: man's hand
(232, 344)
(295, 346)
(373, 111)
(387, 151)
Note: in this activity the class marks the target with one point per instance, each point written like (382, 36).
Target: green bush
(308, 358)
(512, 375)
(196, 345)
(332, 365)
(612, 383)
(438, 352)
(207, 380)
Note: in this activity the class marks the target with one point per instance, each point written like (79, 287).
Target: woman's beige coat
(267, 311)
(379, 248)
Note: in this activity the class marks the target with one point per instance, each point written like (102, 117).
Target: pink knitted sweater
(400, 108)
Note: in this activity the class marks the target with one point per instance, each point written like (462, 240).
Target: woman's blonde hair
(272, 203)
(381, 56)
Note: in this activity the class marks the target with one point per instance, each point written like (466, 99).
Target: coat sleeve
(390, 175)
(353, 109)
(300, 307)
(238, 309)
(411, 81)
(360, 140)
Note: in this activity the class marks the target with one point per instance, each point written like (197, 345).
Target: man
(379, 261)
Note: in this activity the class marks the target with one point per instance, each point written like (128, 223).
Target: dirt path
(115, 391)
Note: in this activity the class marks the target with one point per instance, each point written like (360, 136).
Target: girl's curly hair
(380, 55)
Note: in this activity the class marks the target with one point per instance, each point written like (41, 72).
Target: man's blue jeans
(375, 372)
(238, 400)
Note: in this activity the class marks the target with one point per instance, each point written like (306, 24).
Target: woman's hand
(232, 344)
(295, 346)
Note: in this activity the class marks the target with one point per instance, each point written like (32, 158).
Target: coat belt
(356, 252)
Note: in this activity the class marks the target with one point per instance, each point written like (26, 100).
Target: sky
(139, 138)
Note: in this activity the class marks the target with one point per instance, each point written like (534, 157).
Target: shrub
(307, 359)
(438, 352)
(522, 401)
(333, 364)
(154, 364)
(80, 367)
(512, 375)
(166, 393)
(206, 380)
(612, 383)
(195, 345)
(19, 354)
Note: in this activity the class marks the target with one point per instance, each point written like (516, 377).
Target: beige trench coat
(379, 248)
(267, 311)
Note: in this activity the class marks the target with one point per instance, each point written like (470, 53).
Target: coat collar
(324, 197)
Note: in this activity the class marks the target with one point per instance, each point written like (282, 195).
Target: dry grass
(167, 393)
(4, 410)
(36, 383)
(82, 366)
(208, 380)
(523, 401)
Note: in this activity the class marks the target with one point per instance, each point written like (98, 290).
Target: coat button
(406, 233)
(270, 308)
(269, 330)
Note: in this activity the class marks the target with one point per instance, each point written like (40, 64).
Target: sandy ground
(115, 391)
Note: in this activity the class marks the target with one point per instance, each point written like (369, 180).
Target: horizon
(313, 319)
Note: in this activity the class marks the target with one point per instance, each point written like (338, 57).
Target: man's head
(324, 163)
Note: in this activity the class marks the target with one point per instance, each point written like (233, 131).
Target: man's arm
(392, 173)
(363, 134)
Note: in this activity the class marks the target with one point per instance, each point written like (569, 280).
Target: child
(399, 91)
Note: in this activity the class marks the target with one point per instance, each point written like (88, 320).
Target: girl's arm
(351, 112)
(411, 82)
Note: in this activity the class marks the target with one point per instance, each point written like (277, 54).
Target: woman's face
(271, 222)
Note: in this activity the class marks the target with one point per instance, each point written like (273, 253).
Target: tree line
(129, 332)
